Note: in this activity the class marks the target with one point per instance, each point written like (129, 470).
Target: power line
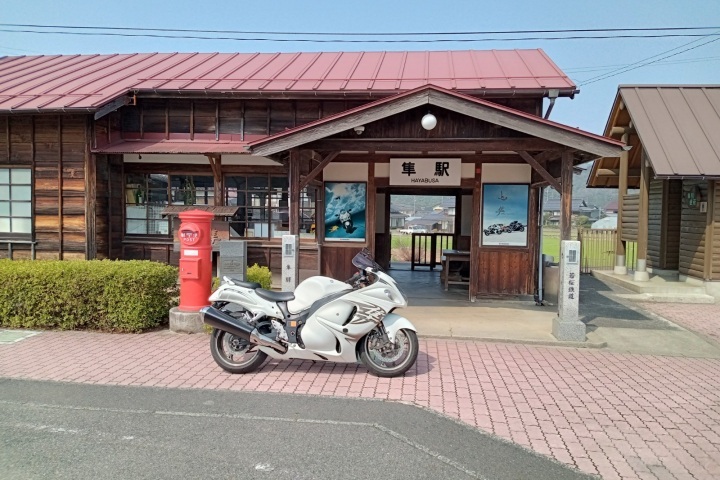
(613, 74)
(600, 68)
(346, 34)
(355, 34)
(306, 40)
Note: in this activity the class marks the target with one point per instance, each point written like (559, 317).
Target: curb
(519, 341)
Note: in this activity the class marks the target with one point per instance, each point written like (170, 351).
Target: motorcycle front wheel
(231, 353)
(389, 359)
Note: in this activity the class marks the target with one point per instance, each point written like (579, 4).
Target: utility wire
(613, 74)
(306, 40)
(600, 68)
(356, 34)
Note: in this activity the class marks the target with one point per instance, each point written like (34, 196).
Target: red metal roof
(86, 82)
(173, 146)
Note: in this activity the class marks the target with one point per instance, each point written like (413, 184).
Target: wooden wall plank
(693, 232)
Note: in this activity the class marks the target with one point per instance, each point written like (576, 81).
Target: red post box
(195, 259)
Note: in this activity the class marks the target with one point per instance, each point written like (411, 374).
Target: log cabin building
(98, 153)
(673, 167)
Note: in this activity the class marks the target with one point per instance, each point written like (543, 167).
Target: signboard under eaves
(425, 172)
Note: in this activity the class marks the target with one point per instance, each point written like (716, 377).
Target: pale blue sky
(580, 59)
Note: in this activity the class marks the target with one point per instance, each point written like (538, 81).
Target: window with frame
(263, 203)
(15, 202)
(147, 195)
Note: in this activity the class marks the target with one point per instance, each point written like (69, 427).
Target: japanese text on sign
(425, 171)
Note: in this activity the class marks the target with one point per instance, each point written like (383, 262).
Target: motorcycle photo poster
(345, 205)
(505, 215)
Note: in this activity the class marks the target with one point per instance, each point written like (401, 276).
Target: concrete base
(185, 322)
(641, 277)
(664, 287)
(569, 331)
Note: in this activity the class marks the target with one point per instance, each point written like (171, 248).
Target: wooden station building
(99, 152)
(668, 182)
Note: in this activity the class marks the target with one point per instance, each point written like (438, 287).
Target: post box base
(185, 322)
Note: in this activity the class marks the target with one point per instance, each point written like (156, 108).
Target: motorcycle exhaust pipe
(222, 321)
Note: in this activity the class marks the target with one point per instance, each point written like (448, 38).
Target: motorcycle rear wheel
(389, 363)
(230, 352)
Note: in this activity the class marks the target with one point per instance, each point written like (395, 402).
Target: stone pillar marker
(232, 259)
(567, 326)
(290, 262)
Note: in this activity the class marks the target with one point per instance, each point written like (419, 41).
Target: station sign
(425, 172)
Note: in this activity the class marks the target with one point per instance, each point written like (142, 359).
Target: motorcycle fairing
(394, 323)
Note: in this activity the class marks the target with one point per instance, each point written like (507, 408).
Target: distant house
(447, 206)
(611, 208)
(579, 207)
(397, 218)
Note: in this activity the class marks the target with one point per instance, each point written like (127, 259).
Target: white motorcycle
(324, 319)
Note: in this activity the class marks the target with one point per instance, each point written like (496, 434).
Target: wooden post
(457, 227)
(60, 188)
(620, 267)
(218, 192)
(294, 194)
(566, 185)
(371, 208)
(475, 238)
(90, 197)
(641, 274)
(710, 237)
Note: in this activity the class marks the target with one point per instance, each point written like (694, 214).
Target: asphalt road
(61, 430)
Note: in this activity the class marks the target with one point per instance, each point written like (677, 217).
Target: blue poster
(345, 205)
(505, 215)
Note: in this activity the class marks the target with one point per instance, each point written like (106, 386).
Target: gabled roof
(87, 82)
(677, 125)
(583, 141)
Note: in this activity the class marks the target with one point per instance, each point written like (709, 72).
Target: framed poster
(345, 206)
(505, 214)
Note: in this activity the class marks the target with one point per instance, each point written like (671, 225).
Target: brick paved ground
(703, 319)
(620, 416)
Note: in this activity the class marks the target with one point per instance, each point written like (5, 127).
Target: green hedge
(256, 273)
(116, 296)
(261, 275)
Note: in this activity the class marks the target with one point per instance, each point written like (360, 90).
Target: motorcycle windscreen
(364, 260)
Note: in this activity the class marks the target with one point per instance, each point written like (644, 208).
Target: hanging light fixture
(429, 121)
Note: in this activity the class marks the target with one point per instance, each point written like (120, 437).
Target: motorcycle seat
(275, 296)
(241, 283)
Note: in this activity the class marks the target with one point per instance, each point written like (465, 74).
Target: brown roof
(86, 82)
(677, 125)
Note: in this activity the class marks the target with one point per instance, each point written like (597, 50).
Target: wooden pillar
(371, 208)
(620, 266)
(566, 178)
(457, 226)
(641, 274)
(219, 193)
(60, 188)
(90, 198)
(475, 239)
(294, 194)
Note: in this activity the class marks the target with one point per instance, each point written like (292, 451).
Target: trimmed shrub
(115, 296)
(260, 275)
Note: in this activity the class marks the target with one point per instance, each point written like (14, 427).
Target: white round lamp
(429, 121)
